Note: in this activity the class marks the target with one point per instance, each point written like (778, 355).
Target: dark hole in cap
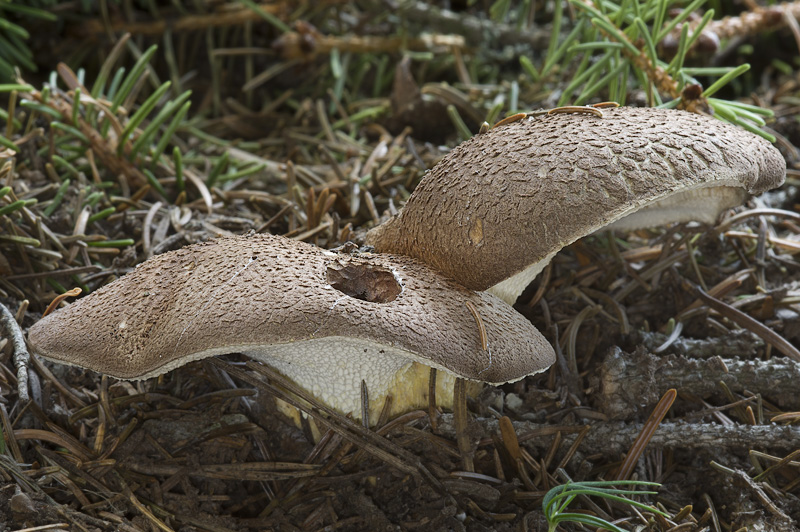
(364, 281)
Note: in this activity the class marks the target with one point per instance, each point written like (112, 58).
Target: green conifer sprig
(615, 48)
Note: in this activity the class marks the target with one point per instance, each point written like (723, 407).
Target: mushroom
(327, 321)
(494, 211)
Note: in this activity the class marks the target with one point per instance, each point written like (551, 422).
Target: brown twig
(74, 292)
(743, 320)
(649, 428)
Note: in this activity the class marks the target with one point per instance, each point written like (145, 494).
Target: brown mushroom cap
(506, 201)
(326, 320)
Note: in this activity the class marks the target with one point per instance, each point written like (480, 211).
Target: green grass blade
(10, 27)
(593, 89)
(141, 113)
(724, 80)
(111, 243)
(133, 77)
(8, 87)
(461, 127)
(147, 137)
(29, 11)
(70, 130)
(16, 54)
(611, 30)
(649, 46)
(555, 30)
(527, 66)
(249, 170)
(155, 183)
(105, 213)
(58, 198)
(177, 158)
(41, 108)
(217, 169)
(658, 21)
(7, 143)
(563, 47)
(269, 17)
(15, 206)
(685, 12)
(173, 126)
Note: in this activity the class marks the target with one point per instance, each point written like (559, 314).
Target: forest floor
(205, 448)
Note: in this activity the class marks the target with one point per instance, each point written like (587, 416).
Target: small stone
(21, 504)
(513, 401)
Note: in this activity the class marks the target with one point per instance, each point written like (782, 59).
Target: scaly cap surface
(514, 196)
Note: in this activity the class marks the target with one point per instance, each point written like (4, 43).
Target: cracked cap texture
(508, 198)
(248, 293)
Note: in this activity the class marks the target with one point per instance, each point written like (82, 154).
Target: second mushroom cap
(503, 203)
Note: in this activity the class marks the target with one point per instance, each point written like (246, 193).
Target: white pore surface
(509, 289)
(698, 205)
(332, 368)
(694, 205)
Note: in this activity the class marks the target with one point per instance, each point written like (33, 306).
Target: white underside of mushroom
(694, 205)
(509, 289)
(325, 367)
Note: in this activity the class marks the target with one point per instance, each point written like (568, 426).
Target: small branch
(756, 21)
(630, 382)
(739, 343)
(617, 437)
(21, 357)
